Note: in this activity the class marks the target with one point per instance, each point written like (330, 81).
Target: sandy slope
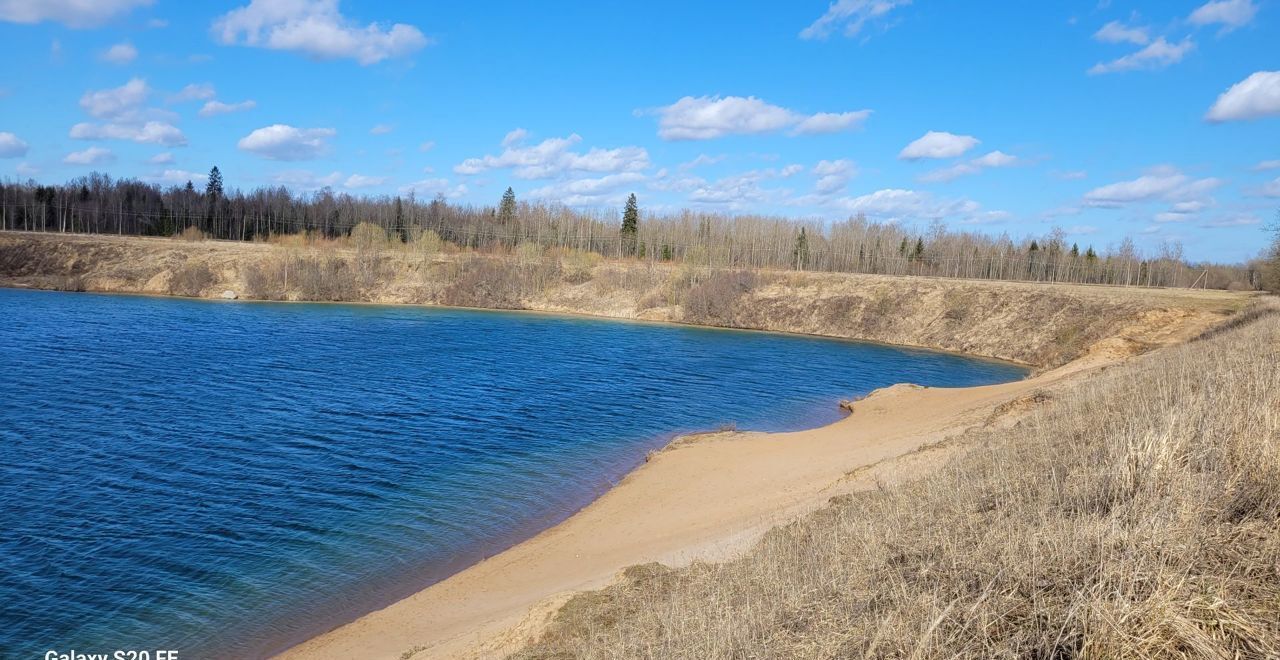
(701, 498)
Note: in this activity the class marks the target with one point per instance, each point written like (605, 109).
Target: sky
(1154, 120)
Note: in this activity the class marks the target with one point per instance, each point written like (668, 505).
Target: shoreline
(702, 497)
(551, 313)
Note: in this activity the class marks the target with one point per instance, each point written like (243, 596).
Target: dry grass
(1136, 514)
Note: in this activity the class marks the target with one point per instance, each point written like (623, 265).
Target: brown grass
(1135, 514)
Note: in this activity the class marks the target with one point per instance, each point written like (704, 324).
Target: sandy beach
(701, 498)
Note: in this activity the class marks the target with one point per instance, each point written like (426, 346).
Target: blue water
(230, 478)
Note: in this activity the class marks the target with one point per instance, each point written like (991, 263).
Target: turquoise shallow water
(227, 479)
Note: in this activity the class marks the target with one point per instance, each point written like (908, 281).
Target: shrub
(191, 279)
(714, 300)
(191, 233)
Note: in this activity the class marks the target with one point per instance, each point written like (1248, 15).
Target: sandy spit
(702, 498)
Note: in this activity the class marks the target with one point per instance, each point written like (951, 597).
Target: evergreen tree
(507, 209)
(1090, 255)
(919, 252)
(400, 230)
(630, 225)
(1035, 247)
(800, 255)
(213, 189)
(1075, 250)
(666, 252)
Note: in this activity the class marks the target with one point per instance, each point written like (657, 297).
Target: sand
(705, 497)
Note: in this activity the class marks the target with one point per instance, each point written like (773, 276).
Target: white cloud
(122, 53)
(305, 180)
(427, 146)
(830, 122)
(164, 158)
(589, 191)
(316, 28)
(849, 16)
(1081, 230)
(833, 175)
(177, 177)
(700, 161)
(1157, 55)
(284, 142)
(708, 117)
(938, 144)
(117, 102)
(895, 204)
(214, 108)
(363, 181)
(1116, 32)
(26, 169)
(90, 156)
(381, 129)
(1267, 165)
(552, 157)
(990, 160)
(1071, 175)
(1270, 189)
(1159, 184)
(72, 13)
(1254, 97)
(432, 187)
(1235, 220)
(1230, 14)
(151, 132)
(11, 146)
(194, 92)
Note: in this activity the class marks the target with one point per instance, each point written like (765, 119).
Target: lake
(230, 478)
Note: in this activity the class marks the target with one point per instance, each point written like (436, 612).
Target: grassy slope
(1043, 325)
(1136, 514)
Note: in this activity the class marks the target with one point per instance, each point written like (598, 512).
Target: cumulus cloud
(432, 187)
(1230, 14)
(151, 132)
(849, 17)
(589, 191)
(1159, 184)
(993, 159)
(177, 177)
(215, 108)
(1156, 55)
(90, 156)
(284, 142)
(363, 181)
(381, 129)
(117, 102)
(164, 158)
(938, 144)
(1233, 220)
(833, 175)
(895, 204)
(72, 13)
(1116, 32)
(1269, 189)
(708, 117)
(316, 28)
(122, 53)
(1267, 165)
(11, 146)
(305, 180)
(1254, 97)
(194, 92)
(700, 161)
(554, 157)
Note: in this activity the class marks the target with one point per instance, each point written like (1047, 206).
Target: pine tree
(800, 255)
(213, 189)
(666, 252)
(630, 225)
(400, 230)
(1075, 250)
(919, 252)
(507, 209)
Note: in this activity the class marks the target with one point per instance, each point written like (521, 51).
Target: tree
(918, 254)
(507, 209)
(630, 225)
(1271, 261)
(800, 255)
(213, 189)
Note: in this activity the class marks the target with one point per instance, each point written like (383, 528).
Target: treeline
(99, 204)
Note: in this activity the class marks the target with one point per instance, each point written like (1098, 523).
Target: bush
(368, 237)
(426, 242)
(191, 280)
(714, 301)
(191, 233)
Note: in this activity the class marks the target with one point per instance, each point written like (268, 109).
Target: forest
(99, 204)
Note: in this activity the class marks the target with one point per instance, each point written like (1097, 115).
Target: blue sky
(1156, 120)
